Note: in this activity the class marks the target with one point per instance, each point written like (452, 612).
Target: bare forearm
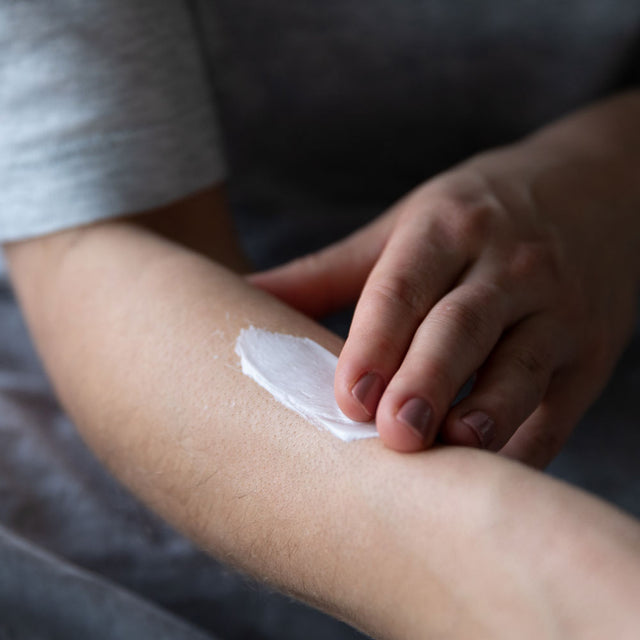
(138, 335)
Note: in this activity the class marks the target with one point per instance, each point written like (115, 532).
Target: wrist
(436, 554)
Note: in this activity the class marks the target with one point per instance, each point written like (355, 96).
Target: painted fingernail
(367, 391)
(482, 426)
(416, 414)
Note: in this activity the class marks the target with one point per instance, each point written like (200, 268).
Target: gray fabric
(333, 109)
(45, 599)
(330, 110)
(104, 110)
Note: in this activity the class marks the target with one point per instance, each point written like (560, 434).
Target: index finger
(420, 263)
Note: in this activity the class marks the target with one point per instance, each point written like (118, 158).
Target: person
(489, 266)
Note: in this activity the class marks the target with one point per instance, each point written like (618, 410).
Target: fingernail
(367, 391)
(416, 413)
(482, 426)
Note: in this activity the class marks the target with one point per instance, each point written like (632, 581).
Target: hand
(519, 266)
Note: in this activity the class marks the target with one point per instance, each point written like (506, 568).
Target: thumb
(327, 280)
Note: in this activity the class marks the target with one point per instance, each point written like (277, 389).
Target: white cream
(298, 373)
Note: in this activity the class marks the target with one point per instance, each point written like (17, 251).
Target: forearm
(138, 336)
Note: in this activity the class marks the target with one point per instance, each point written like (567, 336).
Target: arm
(138, 332)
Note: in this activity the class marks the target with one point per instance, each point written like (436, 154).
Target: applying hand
(520, 266)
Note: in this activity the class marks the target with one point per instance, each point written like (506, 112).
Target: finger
(509, 386)
(330, 279)
(545, 432)
(452, 342)
(418, 265)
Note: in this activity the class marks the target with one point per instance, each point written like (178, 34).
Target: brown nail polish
(416, 414)
(367, 391)
(482, 426)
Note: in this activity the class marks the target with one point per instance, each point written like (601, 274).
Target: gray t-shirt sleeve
(105, 110)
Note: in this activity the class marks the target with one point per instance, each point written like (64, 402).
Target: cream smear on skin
(298, 373)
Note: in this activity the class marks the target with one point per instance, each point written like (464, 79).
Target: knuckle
(532, 260)
(373, 346)
(469, 219)
(475, 219)
(403, 292)
(468, 318)
(462, 211)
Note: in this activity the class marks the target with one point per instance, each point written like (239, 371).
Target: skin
(137, 333)
(520, 266)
